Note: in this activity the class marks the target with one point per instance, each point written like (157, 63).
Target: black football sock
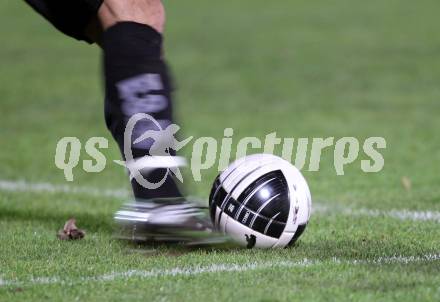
(137, 81)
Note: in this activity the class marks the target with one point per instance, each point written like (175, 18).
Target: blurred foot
(173, 220)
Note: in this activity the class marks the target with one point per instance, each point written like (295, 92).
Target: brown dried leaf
(70, 231)
(62, 236)
(77, 234)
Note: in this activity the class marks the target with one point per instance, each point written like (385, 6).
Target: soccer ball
(261, 201)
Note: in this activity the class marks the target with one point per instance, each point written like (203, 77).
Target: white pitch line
(216, 268)
(402, 214)
(44, 187)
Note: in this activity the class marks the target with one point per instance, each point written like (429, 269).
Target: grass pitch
(307, 69)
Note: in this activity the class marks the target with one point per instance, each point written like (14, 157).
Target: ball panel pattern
(263, 206)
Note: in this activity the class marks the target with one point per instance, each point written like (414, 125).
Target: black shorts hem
(71, 17)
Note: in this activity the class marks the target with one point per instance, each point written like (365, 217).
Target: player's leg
(137, 80)
(147, 12)
(134, 68)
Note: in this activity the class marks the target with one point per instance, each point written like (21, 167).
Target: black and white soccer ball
(261, 201)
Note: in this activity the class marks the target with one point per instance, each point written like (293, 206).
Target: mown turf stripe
(217, 268)
(401, 214)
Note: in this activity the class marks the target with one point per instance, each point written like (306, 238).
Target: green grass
(308, 69)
